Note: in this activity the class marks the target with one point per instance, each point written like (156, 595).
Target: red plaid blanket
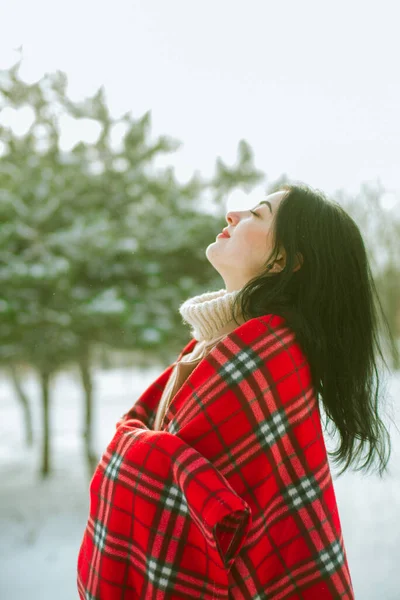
(233, 498)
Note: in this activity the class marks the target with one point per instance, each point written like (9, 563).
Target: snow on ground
(42, 523)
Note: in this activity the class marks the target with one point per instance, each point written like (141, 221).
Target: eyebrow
(265, 202)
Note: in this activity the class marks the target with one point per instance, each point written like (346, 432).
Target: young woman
(216, 483)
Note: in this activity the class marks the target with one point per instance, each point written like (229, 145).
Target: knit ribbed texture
(209, 313)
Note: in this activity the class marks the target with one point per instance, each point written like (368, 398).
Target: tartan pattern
(233, 498)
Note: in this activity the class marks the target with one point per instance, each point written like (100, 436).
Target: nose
(231, 216)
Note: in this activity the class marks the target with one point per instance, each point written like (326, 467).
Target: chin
(209, 254)
(210, 246)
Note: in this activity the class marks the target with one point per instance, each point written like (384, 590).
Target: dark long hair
(330, 304)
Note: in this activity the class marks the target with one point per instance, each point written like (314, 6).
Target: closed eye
(254, 213)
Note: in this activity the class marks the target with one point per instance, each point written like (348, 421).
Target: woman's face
(242, 256)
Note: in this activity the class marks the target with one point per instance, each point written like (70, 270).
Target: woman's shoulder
(261, 325)
(248, 332)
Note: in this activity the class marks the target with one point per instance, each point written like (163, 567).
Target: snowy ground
(42, 524)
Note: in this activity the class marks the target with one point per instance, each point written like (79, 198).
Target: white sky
(314, 87)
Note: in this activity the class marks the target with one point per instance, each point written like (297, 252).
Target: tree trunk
(23, 400)
(45, 470)
(86, 376)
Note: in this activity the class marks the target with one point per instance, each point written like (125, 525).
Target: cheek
(257, 238)
(252, 245)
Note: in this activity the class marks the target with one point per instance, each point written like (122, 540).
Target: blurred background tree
(97, 250)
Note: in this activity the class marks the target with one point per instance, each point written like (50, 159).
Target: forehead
(276, 197)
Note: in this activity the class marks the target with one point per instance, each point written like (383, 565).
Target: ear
(279, 264)
(299, 261)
